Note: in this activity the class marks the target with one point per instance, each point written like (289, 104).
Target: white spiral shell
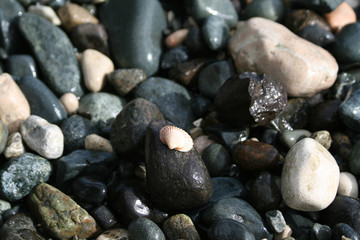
(176, 138)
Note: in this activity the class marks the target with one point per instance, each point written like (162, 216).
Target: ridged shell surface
(176, 138)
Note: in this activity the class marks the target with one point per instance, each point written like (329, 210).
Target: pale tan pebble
(70, 102)
(14, 146)
(98, 143)
(202, 142)
(14, 107)
(72, 15)
(95, 65)
(323, 137)
(348, 185)
(196, 132)
(176, 138)
(254, 139)
(284, 234)
(343, 15)
(345, 238)
(114, 234)
(46, 12)
(176, 38)
(197, 122)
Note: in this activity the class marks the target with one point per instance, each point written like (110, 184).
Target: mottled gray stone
(4, 205)
(143, 228)
(275, 220)
(216, 32)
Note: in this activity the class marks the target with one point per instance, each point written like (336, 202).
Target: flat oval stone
(125, 80)
(216, 32)
(319, 231)
(346, 48)
(43, 137)
(258, 35)
(62, 218)
(143, 228)
(310, 176)
(130, 27)
(227, 229)
(20, 65)
(216, 159)
(62, 73)
(20, 175)
(180, 226)
(70, 102)
(14, 146)
(101, 106)
(42, 100)
(174, 179)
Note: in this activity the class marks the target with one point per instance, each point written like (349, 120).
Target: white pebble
(348, 185)
(46, 12)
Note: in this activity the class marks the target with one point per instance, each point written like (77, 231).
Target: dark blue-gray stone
(104, 217)
(346, 47)
(42, 100)
(4, 133)
(275, 221)
(135, 32)
(269, 9)
(101, 106)
(216, 32)
(143, 228)
(343, 229)
(88, 189)
(227, 187)
(354, 160)
(238, 210)
(21, 65)
(11, 8)
(217, 160)
(173, 100)
(227, 229)
(322, 6)
(342, 85)
(20, 175)
(85, 162)
(213, 76)
(320, 232)
(201, 9)
(174, 56)
(300, 225)
(316, 34)
(75, 130)
(349, 111)
(57, 62)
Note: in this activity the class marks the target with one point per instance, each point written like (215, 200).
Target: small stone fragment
(114, 234)
(348, 185)
(185, 73)
(125, 80)
(322, 137)
(176, 38)
(70, 102)
(46, 12)
(14, 146)
(341, 16)
(4, 206)
(276, 221)
(98, 143)
(284, 234)
(89, 190)
(180, 226)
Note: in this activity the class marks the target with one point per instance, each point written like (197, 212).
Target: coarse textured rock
(101, 106)
(14, 107)
(46, 12)
(180, 226)
(143, 228)
(323, 137)
(346, 47)
(269, 9)
(72, 14)
(42, 100)
(95, 66)
(98, 143)
(128, 130)
(174, 179)
(348, 185)
(125, 80)
(216, 32)
(70, 102)
(43, 137)
(61, 72)
(341, 16)
(130, 24)
(20, 65)
(20, 175)
(59, 215)
(290, 137)
(4, 206)
(176, 38)
(14, 146)
(310, 176)
(275, 220)
(104, 217)
(228, 229)
(118, 233)
(260, 45)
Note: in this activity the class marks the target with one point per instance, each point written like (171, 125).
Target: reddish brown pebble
(176, 38)
(255, 156)
(70, 102)
(186, 72)
(341, 16)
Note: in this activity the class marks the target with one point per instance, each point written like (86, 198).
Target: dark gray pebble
(20, 65)
(216, 32)
(346, 47)
(343, 229)
(104, 217)
(270, 9)
(143, 228)
(227, 229)
(320, 232)
(174, 56)
(227, 187)
(217, 160)
(88, 189)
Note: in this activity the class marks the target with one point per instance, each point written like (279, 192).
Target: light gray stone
(14, 146)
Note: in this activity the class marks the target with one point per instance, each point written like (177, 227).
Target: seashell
(176, 138)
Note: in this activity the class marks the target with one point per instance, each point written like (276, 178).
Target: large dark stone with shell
(175, 180)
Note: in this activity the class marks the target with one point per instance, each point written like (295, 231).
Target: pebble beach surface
(179, 119)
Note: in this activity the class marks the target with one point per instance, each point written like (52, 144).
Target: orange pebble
(176, 38)
(341, 16)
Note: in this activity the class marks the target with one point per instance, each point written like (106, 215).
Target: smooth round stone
(89, 190)
(143, 228)
(75, 130)
(118, 233)
(275, 220)
(213, 76)
(180, 226)
(20, 175)
(42, 100)
(61, 73)
(176, 38)
(104, 217)
(174, 179)
(341, 230)
(95, 65)
(14, 108)
(130, 27)
(98, 143)
(322, 137)
(227, 187)
(4, 133)
(255, 156)
(202, 142)
(264, 193)
(52, 207)
(238, 210)
(343, 15)
(70, 102)
(173, 100)
(325, 116)
(216, 32)
(101, 106)
(20, 65)
(72, 14)
(186, 73)
(269, 9)
(348, 111)
(310, 176)
(227, 229)
(346, 47)
(319, 232)
(14, 146)
(322, 7)
(342, 85)
(43, 137)
(125, 80)
(46, 12)
(216, 159)
(348, 185)
(263, 35)
(89, 35)
(201, 9)
(174, 56)
(289, 138)
(19, 226)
